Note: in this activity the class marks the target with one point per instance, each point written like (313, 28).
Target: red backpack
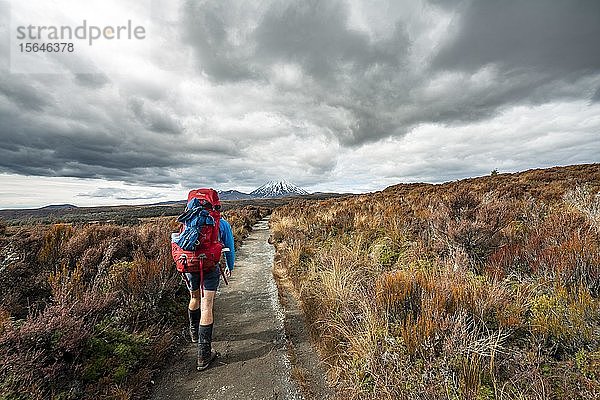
(207, 253)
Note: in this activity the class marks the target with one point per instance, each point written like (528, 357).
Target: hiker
(200, 308)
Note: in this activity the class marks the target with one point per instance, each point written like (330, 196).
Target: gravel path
(249, 334)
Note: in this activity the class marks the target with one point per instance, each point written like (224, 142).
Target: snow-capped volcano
(278, 189)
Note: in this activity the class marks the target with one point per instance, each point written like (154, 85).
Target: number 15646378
(46, 47)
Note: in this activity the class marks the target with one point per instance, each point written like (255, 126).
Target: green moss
(560, 319)
(388, 254)
(587, 363)
(364, 378)
(114, 353)
(546, 369)
(485, 393)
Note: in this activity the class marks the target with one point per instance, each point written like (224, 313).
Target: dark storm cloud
(333, 77)
(462, 105)
(315, 34)
(154, 118)
(538, 52)
(69, 156)
(345, 62)
(596, 96)
(370, 126)
(205, 26)
(88, 147)
(548, 36)
(352, 70)
(542, 51)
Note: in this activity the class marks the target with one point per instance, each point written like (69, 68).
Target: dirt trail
(249, 334)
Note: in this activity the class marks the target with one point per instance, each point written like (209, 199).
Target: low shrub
(91, 311)
(479, 289)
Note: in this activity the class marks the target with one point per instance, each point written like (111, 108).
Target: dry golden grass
(480, 289)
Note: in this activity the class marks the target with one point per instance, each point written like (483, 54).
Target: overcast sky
(351, 95)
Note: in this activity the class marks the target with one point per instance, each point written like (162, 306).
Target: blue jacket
(226, 237)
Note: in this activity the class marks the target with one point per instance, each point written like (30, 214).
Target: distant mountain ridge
(269, 190)
(233, 195)
(58, 207)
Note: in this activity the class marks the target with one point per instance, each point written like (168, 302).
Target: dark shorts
(211, 280)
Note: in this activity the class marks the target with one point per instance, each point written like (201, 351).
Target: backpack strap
(201, 282)
(185, 278)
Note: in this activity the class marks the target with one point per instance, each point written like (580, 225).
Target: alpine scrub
(90, 311)
(479, 289)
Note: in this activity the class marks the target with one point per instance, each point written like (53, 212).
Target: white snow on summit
(278, 189)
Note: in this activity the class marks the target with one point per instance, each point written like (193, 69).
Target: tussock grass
(480, 289)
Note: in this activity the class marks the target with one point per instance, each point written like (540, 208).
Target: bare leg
(206, 305)
(194, 300)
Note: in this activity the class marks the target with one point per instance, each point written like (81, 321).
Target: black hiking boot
(204, 362)
(205, 354)
(194, 316)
